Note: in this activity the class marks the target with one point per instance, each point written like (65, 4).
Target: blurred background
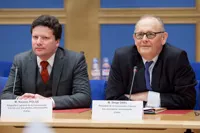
(98, 27)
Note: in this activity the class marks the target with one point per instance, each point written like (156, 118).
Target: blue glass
(146, 3)
(32, 4)
(16, 39)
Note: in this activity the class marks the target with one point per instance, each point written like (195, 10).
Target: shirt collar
(50, 60)
(154, 59)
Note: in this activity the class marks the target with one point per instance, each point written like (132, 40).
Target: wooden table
(82, 123)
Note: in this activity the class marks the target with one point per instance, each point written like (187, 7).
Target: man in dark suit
(164, 77)
(48, 71)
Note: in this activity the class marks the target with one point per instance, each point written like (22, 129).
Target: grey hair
(152, 17)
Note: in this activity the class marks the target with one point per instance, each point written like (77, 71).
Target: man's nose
(39, 40)
(145, 37)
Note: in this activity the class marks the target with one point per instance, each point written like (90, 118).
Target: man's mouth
(39, 49)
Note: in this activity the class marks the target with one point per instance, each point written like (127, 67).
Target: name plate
(26, 110)
(117, 110)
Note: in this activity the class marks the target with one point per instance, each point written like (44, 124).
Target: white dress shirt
(153, 99)
(50, 61)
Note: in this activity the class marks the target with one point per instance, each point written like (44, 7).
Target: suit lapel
(31, 73)
(140, 80)
(157, 71)
(131, 64)
(156, 75)
(57, 70)
(136, 60)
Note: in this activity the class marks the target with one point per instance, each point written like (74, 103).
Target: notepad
(148, 110)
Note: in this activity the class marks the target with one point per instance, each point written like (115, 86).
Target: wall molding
(26, 16)
(109, 16)
(131, 15)
(106, 15)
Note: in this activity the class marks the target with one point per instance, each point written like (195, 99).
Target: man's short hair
(154, 17)
(50, 22)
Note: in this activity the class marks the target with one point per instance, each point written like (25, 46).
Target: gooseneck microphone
(15, 78)
(133, 78)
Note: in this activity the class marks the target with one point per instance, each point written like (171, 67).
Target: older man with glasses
(152, 70)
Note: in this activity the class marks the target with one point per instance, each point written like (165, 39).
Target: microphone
(16, 71)
(133, 78)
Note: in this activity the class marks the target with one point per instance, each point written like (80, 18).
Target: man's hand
(26, 96)
(142, 96)
(35, 96)
(31, 96)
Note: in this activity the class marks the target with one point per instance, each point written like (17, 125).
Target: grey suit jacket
(70, 87)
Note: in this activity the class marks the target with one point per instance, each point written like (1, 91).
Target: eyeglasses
(149, 35)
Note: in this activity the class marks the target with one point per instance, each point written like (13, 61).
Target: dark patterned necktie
(147, 75)
(44, 72)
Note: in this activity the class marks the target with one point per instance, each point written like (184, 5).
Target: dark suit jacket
(70, 87)
(172, 77)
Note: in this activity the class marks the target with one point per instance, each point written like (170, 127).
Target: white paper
(117, 110)
(26, 110)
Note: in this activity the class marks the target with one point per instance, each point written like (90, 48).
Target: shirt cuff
(53, 102)
(153, 99)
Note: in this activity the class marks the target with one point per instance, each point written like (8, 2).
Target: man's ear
(57, 42)
(164, 38)
(133, 36)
